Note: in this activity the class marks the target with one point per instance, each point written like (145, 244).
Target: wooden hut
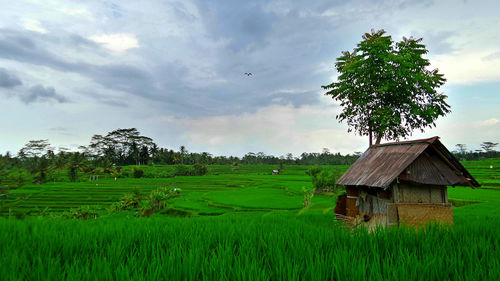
(399, 182)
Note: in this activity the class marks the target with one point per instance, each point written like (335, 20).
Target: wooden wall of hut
(352, 195)
(408, 192)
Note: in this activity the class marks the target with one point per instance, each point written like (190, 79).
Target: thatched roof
(424, 161)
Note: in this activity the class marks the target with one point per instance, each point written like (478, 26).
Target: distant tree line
(487, 150)
(128, 147)
(121, 147)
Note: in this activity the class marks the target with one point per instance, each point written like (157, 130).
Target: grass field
(241, 224)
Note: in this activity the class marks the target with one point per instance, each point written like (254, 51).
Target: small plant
(308, 195)
(147, 212)
(18, 214)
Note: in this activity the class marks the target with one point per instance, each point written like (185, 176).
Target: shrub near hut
(323, 180)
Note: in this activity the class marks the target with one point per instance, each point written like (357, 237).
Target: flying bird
(248, 73)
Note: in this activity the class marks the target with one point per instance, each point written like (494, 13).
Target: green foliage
(314, 171)
(122, 146)
(107, 166)
(324, 180)
(137, 172)
(386, 88)
(14, 178)
(158, 198)
(200, 169)
(77, 162)
(128, 201)
(82, 213)
(308, 195)
(184, 170)
(73, 173)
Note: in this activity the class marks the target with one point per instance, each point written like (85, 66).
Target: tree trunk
(379, 138)
(370, 135)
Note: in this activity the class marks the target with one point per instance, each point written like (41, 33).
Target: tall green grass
(277, 246)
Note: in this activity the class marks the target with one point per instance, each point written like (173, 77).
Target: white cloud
(74, 11)
(279, 129)
(292, 91)
(118, 42)
(489, 122)
(33, 25)
(468, 66)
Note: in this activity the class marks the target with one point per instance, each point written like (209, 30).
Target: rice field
(225, 189)
(241, 225)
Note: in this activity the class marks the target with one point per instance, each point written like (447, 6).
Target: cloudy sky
(174, 70)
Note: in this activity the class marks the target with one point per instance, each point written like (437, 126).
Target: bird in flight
(248, 73)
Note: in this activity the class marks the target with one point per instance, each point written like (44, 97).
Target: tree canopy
(488, 146)
(386, 89)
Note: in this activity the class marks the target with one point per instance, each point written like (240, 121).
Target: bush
(18, 214)
(313, 171)
(323, 180)
(128, 201)
(138, 172)
(158, 198)
(200, 170)
(182, 170)
(82, 213)
(147, 212)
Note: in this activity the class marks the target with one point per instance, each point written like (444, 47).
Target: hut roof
(429, 160)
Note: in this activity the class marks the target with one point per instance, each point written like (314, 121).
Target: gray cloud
(246, 24)
(492, 56)
(40, 93)
(191, 56)
(403, 4)
(8, 80)
(199, 72)
(21, 46)
(296, 98)
(437, 42)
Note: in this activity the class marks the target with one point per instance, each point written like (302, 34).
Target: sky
(175, 70)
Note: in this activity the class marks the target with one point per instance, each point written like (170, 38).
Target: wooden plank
(392, 214)
(395, 192)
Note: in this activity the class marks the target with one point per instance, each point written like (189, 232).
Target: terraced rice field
(225, 189)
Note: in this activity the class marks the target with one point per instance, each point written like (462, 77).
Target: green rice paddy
(240, 223)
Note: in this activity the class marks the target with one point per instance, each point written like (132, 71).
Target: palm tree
(77, 162)
(183, 151)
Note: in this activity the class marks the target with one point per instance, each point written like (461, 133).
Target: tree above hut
(385, 88)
